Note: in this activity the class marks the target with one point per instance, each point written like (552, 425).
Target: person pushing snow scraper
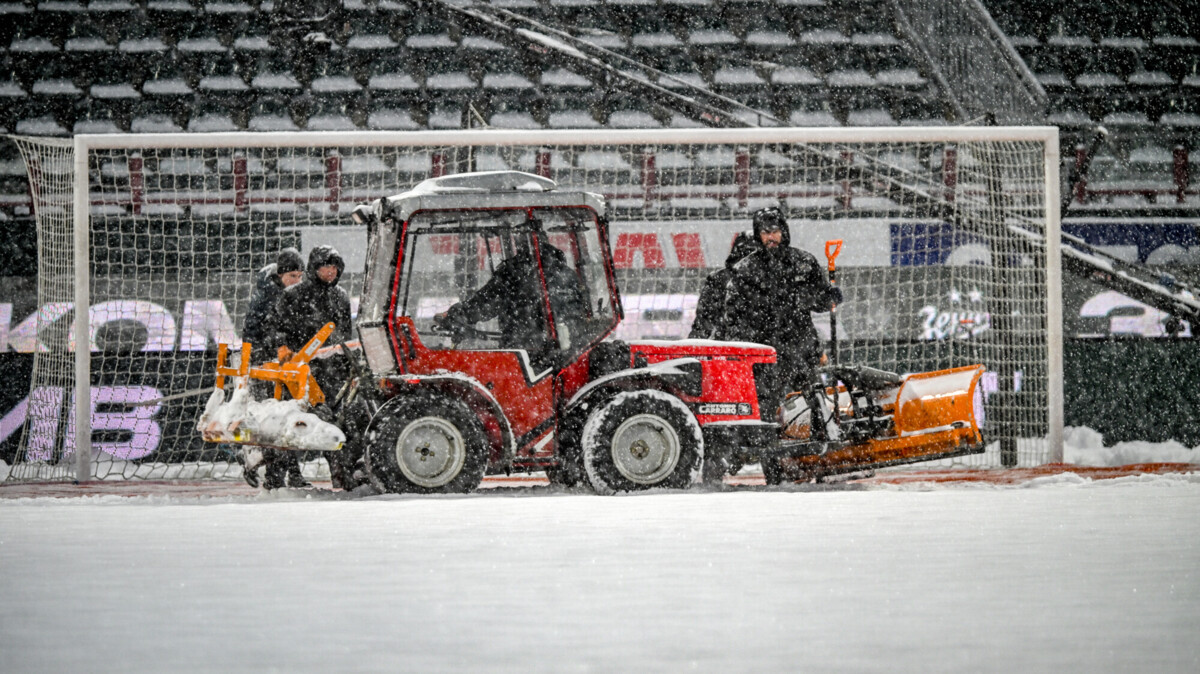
(301, 311)
(259, 329)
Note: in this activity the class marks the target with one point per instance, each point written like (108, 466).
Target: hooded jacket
(772, 294)
(259, 327)
(710, 309)
(307, 306)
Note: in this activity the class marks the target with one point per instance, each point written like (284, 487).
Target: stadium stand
(170, 65)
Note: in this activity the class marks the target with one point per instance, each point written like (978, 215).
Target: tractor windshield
(532, 279)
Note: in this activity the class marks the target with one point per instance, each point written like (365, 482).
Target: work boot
(251, 459)
(275, 477)
(295, 479)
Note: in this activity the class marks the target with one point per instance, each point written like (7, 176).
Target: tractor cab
(492, 287)
(499, 263)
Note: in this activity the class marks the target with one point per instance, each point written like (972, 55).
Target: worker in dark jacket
(300, 313)
(771, 296)
(259, 329)
(513, 295)
(710, 309)
(269, 283)
(305, 308)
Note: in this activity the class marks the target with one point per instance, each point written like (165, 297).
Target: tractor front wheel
(641, 440)
(426, 445)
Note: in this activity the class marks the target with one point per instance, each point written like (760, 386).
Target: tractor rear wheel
(641, 440)
(426, 445)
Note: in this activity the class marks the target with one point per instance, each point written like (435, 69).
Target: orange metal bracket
(294, 374)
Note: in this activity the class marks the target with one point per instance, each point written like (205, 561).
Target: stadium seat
(1176, 55)
(633, 119)
(61, 98)
(825, 50)
(445, 115)
(271, 113)
(1073, 54)
(1121, 56)
(737, 81)
(572, 119)
(810, 117)
(514, 120)
(880, 52)
(392, 119)
(113, 102)
(658, 49)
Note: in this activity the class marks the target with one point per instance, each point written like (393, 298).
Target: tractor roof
(489, 189)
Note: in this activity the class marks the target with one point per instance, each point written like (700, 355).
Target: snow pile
(270, 422)
(1083, 446)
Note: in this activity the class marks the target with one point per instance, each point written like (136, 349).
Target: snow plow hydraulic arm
(294, 373)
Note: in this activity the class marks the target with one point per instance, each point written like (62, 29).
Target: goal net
(950, 258)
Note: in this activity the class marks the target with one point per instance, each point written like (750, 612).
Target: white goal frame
(1047, 136)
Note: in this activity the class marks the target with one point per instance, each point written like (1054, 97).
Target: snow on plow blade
(277, 423)
(926, 416)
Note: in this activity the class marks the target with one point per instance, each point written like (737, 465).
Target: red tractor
(485, 310)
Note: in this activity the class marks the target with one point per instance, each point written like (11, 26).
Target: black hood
(743, 244)
(773, 215)
(320, 257)
(289, 260)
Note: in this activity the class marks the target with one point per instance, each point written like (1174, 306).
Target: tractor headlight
(378, 349)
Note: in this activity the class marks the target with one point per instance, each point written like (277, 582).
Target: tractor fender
(679, 376)
(470, 391)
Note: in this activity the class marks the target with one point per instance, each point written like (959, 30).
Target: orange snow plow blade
(926, 416)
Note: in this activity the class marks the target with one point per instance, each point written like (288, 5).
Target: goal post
(148, 246)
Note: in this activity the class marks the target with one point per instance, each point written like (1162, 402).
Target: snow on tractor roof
(486, 181)
(488, 189)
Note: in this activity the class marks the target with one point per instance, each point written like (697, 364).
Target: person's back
(710, 307)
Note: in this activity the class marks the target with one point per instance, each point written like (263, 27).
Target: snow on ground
(1059, 573)
(1085, 447)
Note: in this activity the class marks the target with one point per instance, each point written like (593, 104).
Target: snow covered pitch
(1056, 574)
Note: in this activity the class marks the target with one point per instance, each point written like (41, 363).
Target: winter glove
(835, 295)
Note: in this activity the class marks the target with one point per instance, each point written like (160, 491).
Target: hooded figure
(710, 309)
(513, 295)
(306, 307)
(302, 310)
(269, 283)
(771, 296)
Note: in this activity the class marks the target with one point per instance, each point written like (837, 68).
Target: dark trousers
(798, 372)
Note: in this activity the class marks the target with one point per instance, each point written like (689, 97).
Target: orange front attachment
(935, 415)
(294, 374)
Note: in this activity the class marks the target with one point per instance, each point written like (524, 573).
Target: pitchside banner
(660, 271)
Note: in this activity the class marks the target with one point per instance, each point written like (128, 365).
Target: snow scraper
(274, 422)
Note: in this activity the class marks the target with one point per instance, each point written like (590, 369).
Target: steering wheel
(460, 331)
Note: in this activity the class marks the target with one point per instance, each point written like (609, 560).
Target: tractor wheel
(640, 440)
(426, 445)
